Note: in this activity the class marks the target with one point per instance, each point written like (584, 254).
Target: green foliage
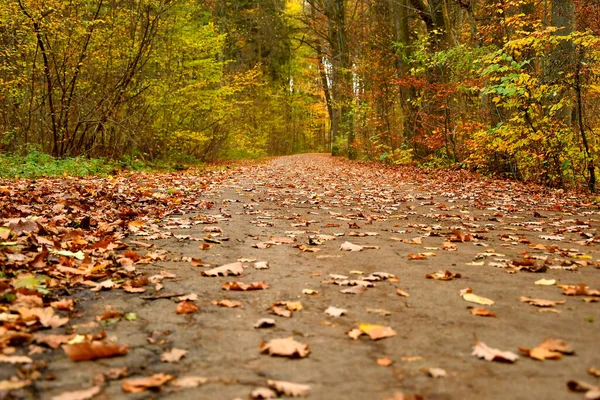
(533, 138)
(37, 164)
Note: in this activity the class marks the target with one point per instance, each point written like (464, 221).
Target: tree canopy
(506, 87)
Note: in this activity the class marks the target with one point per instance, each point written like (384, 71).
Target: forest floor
(108, 289)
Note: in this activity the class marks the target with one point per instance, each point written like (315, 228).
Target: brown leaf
(261, 265)
(481, 312)
(281, 312)
(189, 381)
(94, 350)
(481, 350)
(109, 313)
(64, 304)
(579, 290)
(384, 361)
(335, 312)
(186, 307)
(197, 262)
(263, 393)
(540, 353)
(173, 355)
(347, 246)
(417, 256)
(48, 318)
(541, 302)
(592, 392)
(594, 372)
(442, 275)
(141, 384)
(236, 268)
(402, 293)
(377, 332)
(354, 290)
(15, 359)
(287, 347)
(354, 333)
(435, 372)
(227, 303)
(260, 285)
(264, 323)
(460, 236)
(289, 388)
(7, 385)
(79, 394)
(53, 341)
(557, 345)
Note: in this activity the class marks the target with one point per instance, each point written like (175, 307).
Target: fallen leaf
(15, 359)
(263, 393)
(290, 305)
(481, 350)
(592, 392)
(541, 302)
(64, 304)
(481, 312)
(335, 312)
(287, 347)
(354, 290)
(236, 268)
(264, 323)
(280, 312)
(53, 341)
(188, 297)
(557, 345)
(384, 361)
(347, 246)
(412, 358)
(140, 384)
(289, 388)
(189, 381)
(473, 298)
(244, 286)
(83, 394)
(261, 265)
(227, 303)
(173, 355)
(186, 307)
(48, 318)
(379, 311)
(546, 282)
(594, 372)
(402, 293)
(435, 372)
(7, 385)
(539, 353)
(419, 256)
(109, 313)
(377, 332)
(310, 291)
(552, 237)
(402, 396)
(442, 275)
(93, 350)
(579, 290)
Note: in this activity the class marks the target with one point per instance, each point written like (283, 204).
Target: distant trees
(502, 86)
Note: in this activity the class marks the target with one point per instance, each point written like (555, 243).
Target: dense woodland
(507, 87)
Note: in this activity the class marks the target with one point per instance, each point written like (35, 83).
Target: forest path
(295, 213)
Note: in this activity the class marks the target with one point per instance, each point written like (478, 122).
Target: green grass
(37, 164)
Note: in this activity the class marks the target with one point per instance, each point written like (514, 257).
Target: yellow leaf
(473, 298)
(546, 282)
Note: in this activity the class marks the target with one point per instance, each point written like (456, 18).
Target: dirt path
(491, 233)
